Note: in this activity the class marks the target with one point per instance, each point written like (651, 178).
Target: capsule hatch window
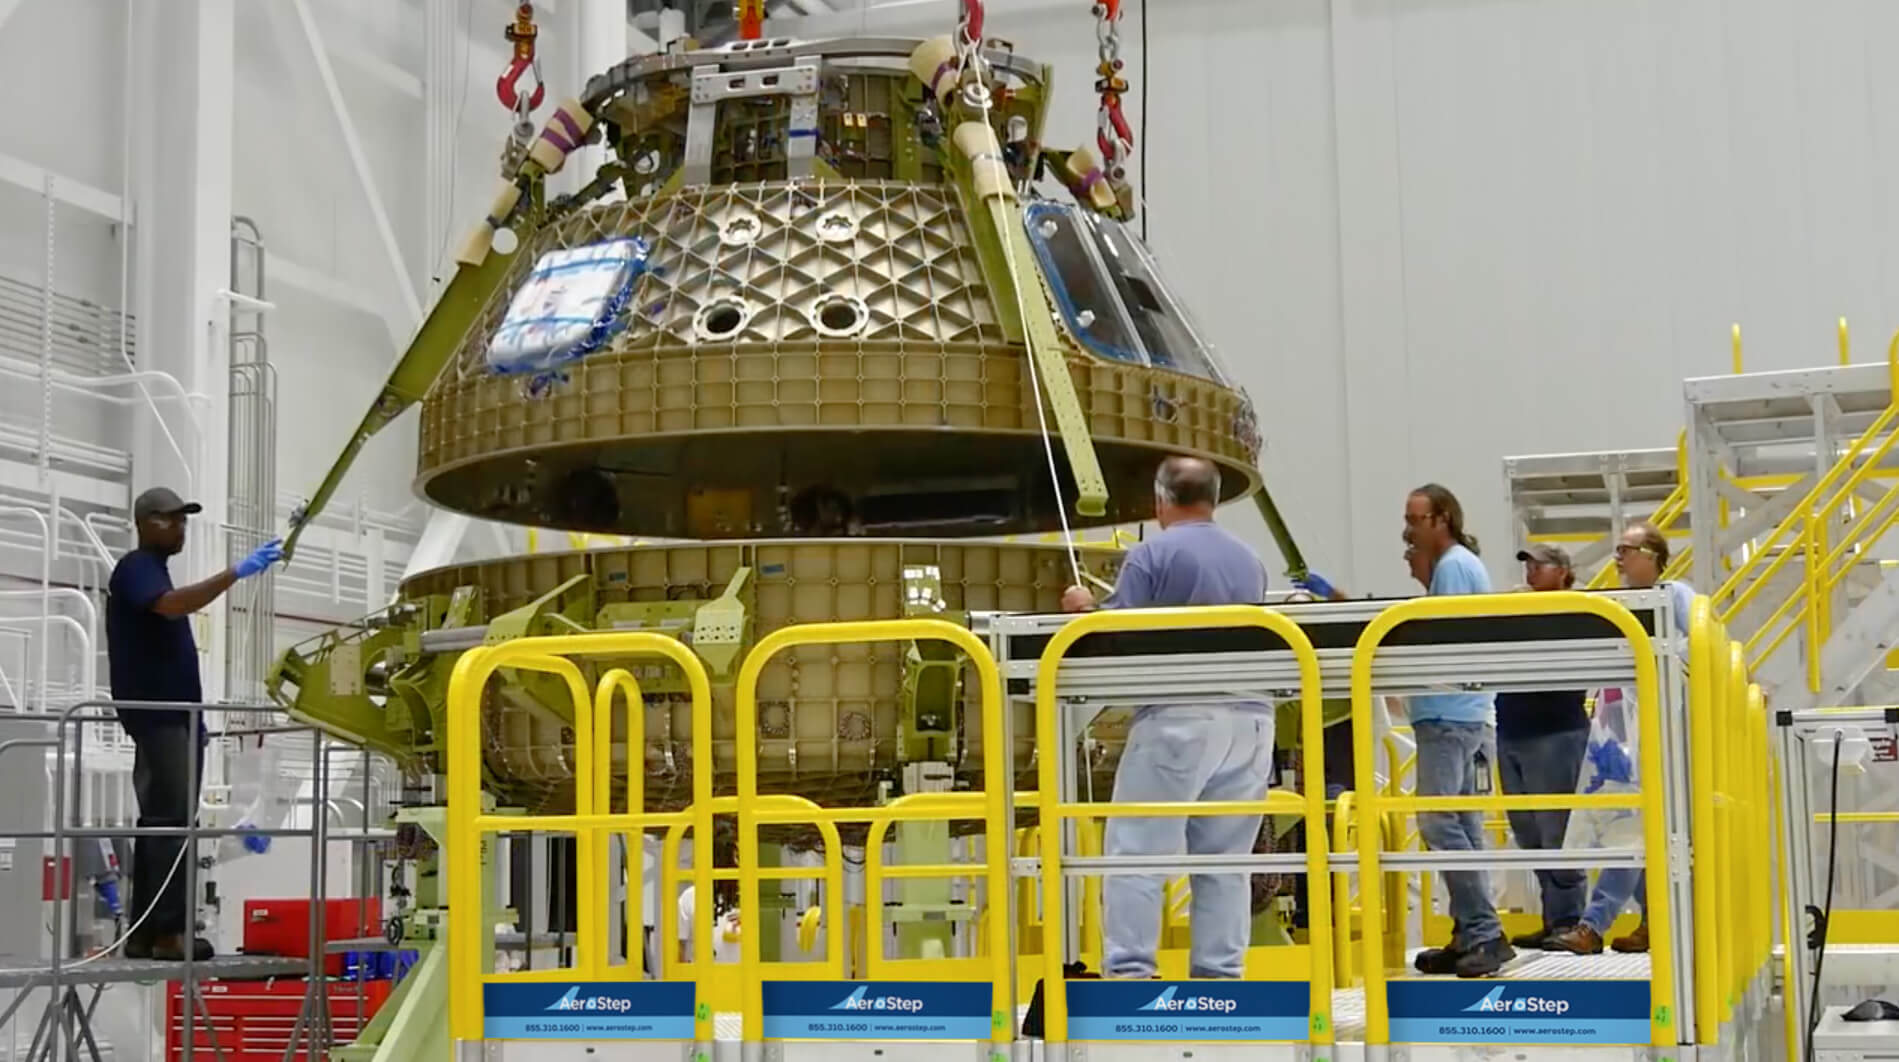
(1111, 293)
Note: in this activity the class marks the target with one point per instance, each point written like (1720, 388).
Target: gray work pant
(1179, 755)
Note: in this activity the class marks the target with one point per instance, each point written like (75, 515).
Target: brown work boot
(1635, 943)
(1578, 939)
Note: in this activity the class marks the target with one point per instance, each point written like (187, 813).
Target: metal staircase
(1795, 573)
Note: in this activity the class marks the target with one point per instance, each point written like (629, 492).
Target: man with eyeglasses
(154, 657)
(1641, 557)
(1454, 732)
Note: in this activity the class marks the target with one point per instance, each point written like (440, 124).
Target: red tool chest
(282, 927)
(253, 1020)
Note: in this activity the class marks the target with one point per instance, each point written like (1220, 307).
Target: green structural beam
(1002, 248)
(434, 344)
(1282, 535)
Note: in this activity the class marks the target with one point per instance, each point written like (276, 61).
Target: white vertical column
(602, 38)
(183, 145)
(440, 89)
(1372, 288)
(672, 26)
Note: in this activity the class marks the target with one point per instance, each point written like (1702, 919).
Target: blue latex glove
(108, 890)
(1612, 765)
(1316, 585)
(262, 557)
(255, 843)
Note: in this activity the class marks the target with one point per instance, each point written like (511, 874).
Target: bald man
(1185, 753)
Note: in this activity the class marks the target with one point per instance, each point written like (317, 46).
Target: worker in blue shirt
(154, 658)
(1453, 732)
(1184, 753)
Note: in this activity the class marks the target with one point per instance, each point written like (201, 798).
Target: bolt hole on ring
(838, 316)
(721, 320)
(739, 232)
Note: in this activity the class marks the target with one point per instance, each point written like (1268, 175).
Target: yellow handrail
(1790, 1018)
(466, 825)
(990, 805)
(1649, 801)
(1819, 503)
(831, 873)
(1704, 684)
(1055, 810)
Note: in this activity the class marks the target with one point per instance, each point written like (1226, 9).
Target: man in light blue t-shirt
(1451, 730)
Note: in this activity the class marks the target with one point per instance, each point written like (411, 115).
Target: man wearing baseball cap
(1542, 737)
(154, 658)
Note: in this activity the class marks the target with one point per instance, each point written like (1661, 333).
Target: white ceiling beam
(378, 70)
(65, 189)
(405, 284)
(278, 269)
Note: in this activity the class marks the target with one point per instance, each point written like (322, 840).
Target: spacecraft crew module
(830, 344)
(831, 353)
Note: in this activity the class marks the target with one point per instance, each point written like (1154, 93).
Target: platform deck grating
(150, 971)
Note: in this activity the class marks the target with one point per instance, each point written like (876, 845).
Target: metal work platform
(115, 970)
(1565, 497)
(1837, 1040)
(75, 985)
(1790, 477)
(1771, 424)
(1421, 657)
(1702, 992)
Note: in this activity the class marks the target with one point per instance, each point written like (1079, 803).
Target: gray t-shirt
(1199, 563)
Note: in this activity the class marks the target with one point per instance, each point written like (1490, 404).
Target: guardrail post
(996, 812)
(1054, 812)
(592, 823)
(1651, 801)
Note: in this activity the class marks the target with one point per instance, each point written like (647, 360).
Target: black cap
(1544, 553)
(162, 501)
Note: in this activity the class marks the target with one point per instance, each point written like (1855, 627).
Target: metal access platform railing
(1702, 795)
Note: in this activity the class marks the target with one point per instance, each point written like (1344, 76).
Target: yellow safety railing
(1784, 894)
(592, 823)
(1373, 804)
(1311, 806)
(722, 995)
(1808, 533)
(1730, 799)
(990, 806)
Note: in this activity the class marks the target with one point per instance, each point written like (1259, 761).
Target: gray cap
(162, 501)
(1544, 553)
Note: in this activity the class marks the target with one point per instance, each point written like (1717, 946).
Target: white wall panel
(1393, 216)
(1431, 233)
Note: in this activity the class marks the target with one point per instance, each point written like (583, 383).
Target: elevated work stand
(1792, 479)
(1583, 501)
(75, 983)
(1862, 953)
(1678, 1002)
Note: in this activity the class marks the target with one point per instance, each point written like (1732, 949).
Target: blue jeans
(1546, 763)
(1447, 766)
(1614, 888)
(1181, 755)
